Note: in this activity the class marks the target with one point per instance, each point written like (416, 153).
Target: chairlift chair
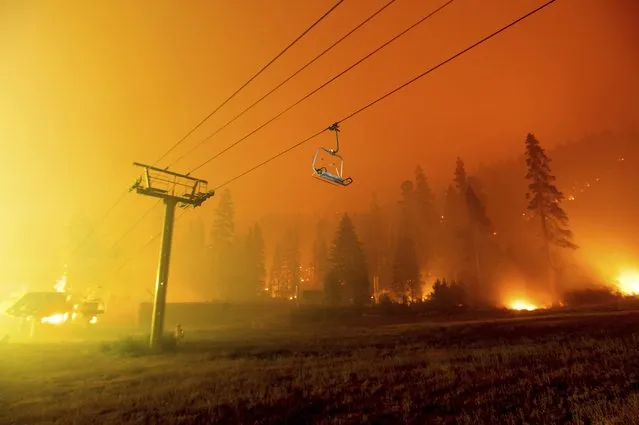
(322, 173)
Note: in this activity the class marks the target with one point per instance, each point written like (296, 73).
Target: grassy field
(556, 370)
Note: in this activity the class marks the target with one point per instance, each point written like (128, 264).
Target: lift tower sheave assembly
(176, 190)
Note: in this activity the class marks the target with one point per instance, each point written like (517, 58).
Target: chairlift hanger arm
(335, 127)
(330, 152)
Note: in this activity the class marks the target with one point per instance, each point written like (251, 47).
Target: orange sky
(89, 87)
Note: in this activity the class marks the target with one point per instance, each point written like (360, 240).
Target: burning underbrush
(521, 304)
(628, 282)
(515, 291)
(516, 295)
(388, 312)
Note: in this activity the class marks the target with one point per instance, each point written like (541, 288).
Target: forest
(523, 230)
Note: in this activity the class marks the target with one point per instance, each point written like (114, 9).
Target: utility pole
(175, 190)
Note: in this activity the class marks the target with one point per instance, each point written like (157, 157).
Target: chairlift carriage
(321, 171)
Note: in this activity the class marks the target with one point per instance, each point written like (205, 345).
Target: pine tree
(320, 255)
(451, 206)
(452, 223)
(461, 181)
(259, 256)
(224, 222)
(376, 247)
(425, 195)
(333, 289)
(291, 265)
(407, 202)
(426, 217)
(276, 284)
(190, 260)
(478, 188)
(460, 214)
(348, 278)
(545, 203)
(254, 268)
(372, 237)
(223, 249)
(478, 227)
(457, 219)
(236, 285)
(477, 212)
(285, 276)
(470, 224)
(406, 274)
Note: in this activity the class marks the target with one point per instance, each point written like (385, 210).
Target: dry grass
(560, 370)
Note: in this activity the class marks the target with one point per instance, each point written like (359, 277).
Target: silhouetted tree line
(453, 241)
(441, 249)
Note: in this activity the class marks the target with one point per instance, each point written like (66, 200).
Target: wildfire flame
(55, 319)
(61, 284)
(629, 282)
(520, 305)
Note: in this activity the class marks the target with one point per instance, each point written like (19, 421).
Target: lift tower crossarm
(166, 171)
(175, 189)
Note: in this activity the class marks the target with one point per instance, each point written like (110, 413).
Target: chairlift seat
(333, 179)
(322, 173)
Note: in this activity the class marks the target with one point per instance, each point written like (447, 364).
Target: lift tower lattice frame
(175, 190)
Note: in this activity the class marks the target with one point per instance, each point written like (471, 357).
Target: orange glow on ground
(521, 305)
(628, 282)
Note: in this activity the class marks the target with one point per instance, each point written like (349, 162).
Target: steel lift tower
(176, 190)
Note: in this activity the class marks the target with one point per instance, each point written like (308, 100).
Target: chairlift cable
(285, 151)
(291, 44)
(146, 245)
(135, 225)
(450, 59)
(326, 83)
(406, 84)
(198, 125)
(95, 227)
(369, 105)
(290, 77)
